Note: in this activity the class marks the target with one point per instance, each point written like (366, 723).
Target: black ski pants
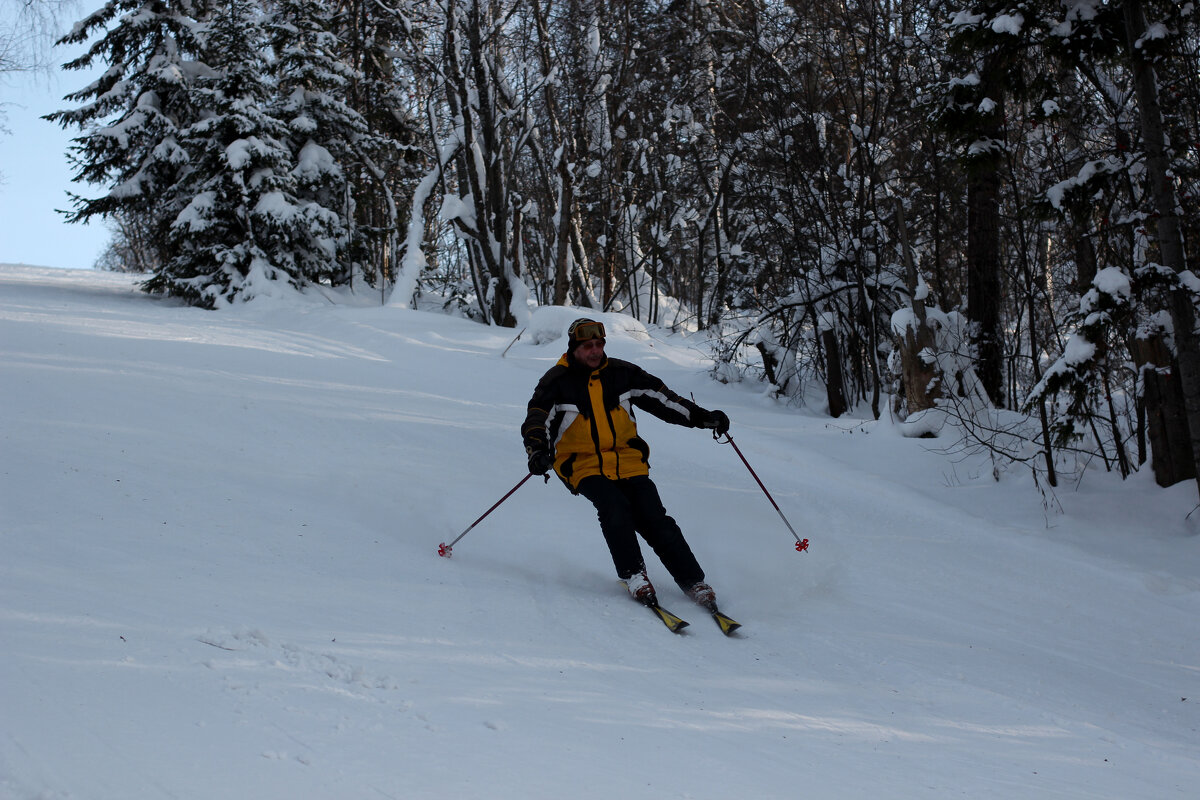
(631, 506)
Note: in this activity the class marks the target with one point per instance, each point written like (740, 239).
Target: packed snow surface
(219, 579)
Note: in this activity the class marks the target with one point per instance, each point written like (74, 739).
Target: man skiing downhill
(580, 423)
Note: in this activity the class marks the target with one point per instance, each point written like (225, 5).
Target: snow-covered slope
(219, 579)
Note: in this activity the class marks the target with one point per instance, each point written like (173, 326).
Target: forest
(966, 215)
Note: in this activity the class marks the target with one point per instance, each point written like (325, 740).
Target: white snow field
(219, 579)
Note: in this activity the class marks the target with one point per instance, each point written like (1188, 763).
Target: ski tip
(728, 625)
(674, 623)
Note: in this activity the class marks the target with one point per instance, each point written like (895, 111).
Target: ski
(674, 624)
(728, 624)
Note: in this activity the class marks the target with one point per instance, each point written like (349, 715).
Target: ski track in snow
(218, 578)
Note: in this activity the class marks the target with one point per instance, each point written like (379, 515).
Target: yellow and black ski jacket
(585, 418)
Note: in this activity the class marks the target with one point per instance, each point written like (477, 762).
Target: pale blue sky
(36, 178)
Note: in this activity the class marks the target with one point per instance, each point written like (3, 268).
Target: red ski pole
(801, 544)
(445, 550)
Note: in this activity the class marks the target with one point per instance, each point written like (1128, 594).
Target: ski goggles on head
(584, 329)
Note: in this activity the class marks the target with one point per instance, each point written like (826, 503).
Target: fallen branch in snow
(218, 646)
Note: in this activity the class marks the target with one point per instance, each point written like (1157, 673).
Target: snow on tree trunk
(920, 378)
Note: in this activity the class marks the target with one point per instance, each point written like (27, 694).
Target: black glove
(540, 461)
(716, 420)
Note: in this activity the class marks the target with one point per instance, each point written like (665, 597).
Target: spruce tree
(323, 130)
(242, 227)
(132, 115)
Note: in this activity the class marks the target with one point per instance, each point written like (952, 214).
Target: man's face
(590, 353)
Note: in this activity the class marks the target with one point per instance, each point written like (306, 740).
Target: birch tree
(488, 137)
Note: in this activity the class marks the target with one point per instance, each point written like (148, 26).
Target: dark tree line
(978, 212)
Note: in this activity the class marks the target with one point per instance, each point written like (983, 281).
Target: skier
(580, 422)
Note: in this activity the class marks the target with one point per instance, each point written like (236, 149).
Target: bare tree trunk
(564, 196)
(835, 391)
(984, 301)
(562, 249)
(983, 278)
(1166, 417)
(1170, 242)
